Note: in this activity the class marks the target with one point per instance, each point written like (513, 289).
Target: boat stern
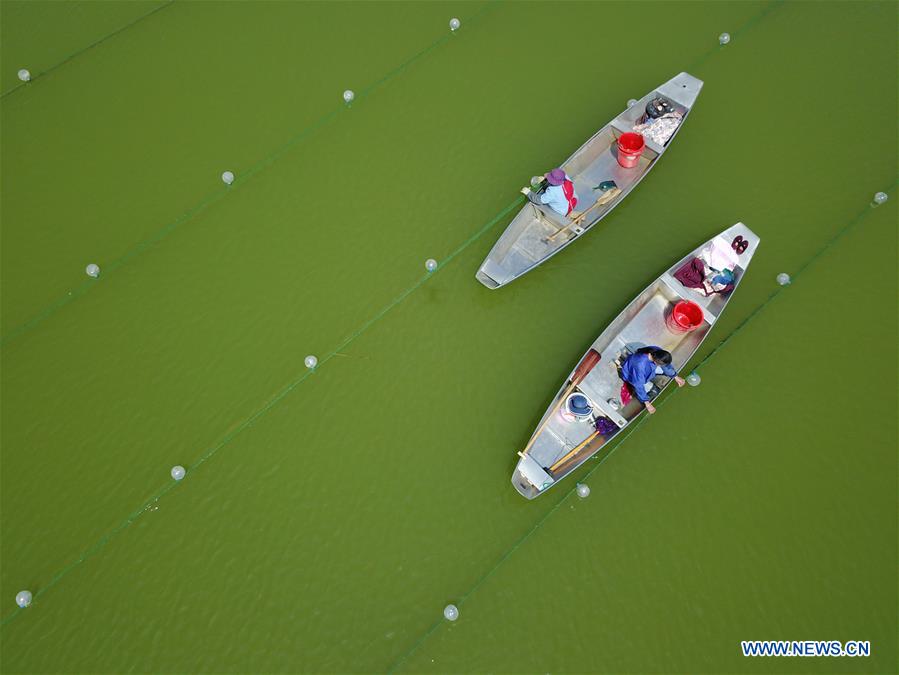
(486, 279)
(493, 273)
(530, 479)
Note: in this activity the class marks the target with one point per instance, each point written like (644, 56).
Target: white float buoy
(583, 491)
(227, 178)
(455, 24)
(724, 38)
(451, 612)
(693, 379)
(430, 264)
(535, 181)
(631, 102)
(348, 96)
(23, 598)
(24, 75)
(310, 361)
(783, 278)
(178, 472)
(92, 270)
(880, 198)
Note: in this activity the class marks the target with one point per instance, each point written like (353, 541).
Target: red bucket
(684, 317)
(630, 147)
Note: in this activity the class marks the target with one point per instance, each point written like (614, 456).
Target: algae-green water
(327, 517)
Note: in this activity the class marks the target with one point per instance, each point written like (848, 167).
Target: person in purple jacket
(639, 368)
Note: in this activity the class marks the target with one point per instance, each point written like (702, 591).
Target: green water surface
(328, 517)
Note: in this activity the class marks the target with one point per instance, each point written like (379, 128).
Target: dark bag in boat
(605, 426)
(692, 274)
(659, 106)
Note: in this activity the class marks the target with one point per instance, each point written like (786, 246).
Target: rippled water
(327, 518)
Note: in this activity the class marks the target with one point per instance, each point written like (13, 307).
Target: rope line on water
(631, 429)
(286, 390)
(85, 286)
(87, 48)
(272, 402)
(97, 546)
(220, 192)
(777, 291)
(354, 335)
(741, 30)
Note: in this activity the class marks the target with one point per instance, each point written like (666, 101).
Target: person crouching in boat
(639, 368)
(557, 195)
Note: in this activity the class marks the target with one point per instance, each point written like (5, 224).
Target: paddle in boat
(600, 183)
(676, 312)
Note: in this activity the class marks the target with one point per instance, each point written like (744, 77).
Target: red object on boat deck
(684, 317)
(584, 367)
(630, 147)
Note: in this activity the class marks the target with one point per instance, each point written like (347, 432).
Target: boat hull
(562, 443)
(537, 233)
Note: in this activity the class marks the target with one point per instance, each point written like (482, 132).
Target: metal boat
(563, 441)
(537, 232)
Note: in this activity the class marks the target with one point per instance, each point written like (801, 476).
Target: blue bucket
(579, 406)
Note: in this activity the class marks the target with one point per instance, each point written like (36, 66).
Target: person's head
(555, 177)
(660, 356)
(657, 355)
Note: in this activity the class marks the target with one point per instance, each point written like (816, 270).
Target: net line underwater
(221, 191)
(218, 194)
(95, 548)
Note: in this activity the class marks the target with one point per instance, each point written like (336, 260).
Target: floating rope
(89, 47)
(631, 429)
(272, 402)
(221, 191)
(96, 547)
(775, 4)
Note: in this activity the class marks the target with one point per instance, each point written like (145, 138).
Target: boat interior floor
(604, 167)
(541, 236)
(603, 384)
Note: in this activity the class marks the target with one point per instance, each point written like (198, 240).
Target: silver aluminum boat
(562, 441)
(538, 232)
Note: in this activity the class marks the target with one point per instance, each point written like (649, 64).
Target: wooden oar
(583, 368)
(606, 197)
(573, 452)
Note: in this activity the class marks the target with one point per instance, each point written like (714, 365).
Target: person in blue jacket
(639, 368)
